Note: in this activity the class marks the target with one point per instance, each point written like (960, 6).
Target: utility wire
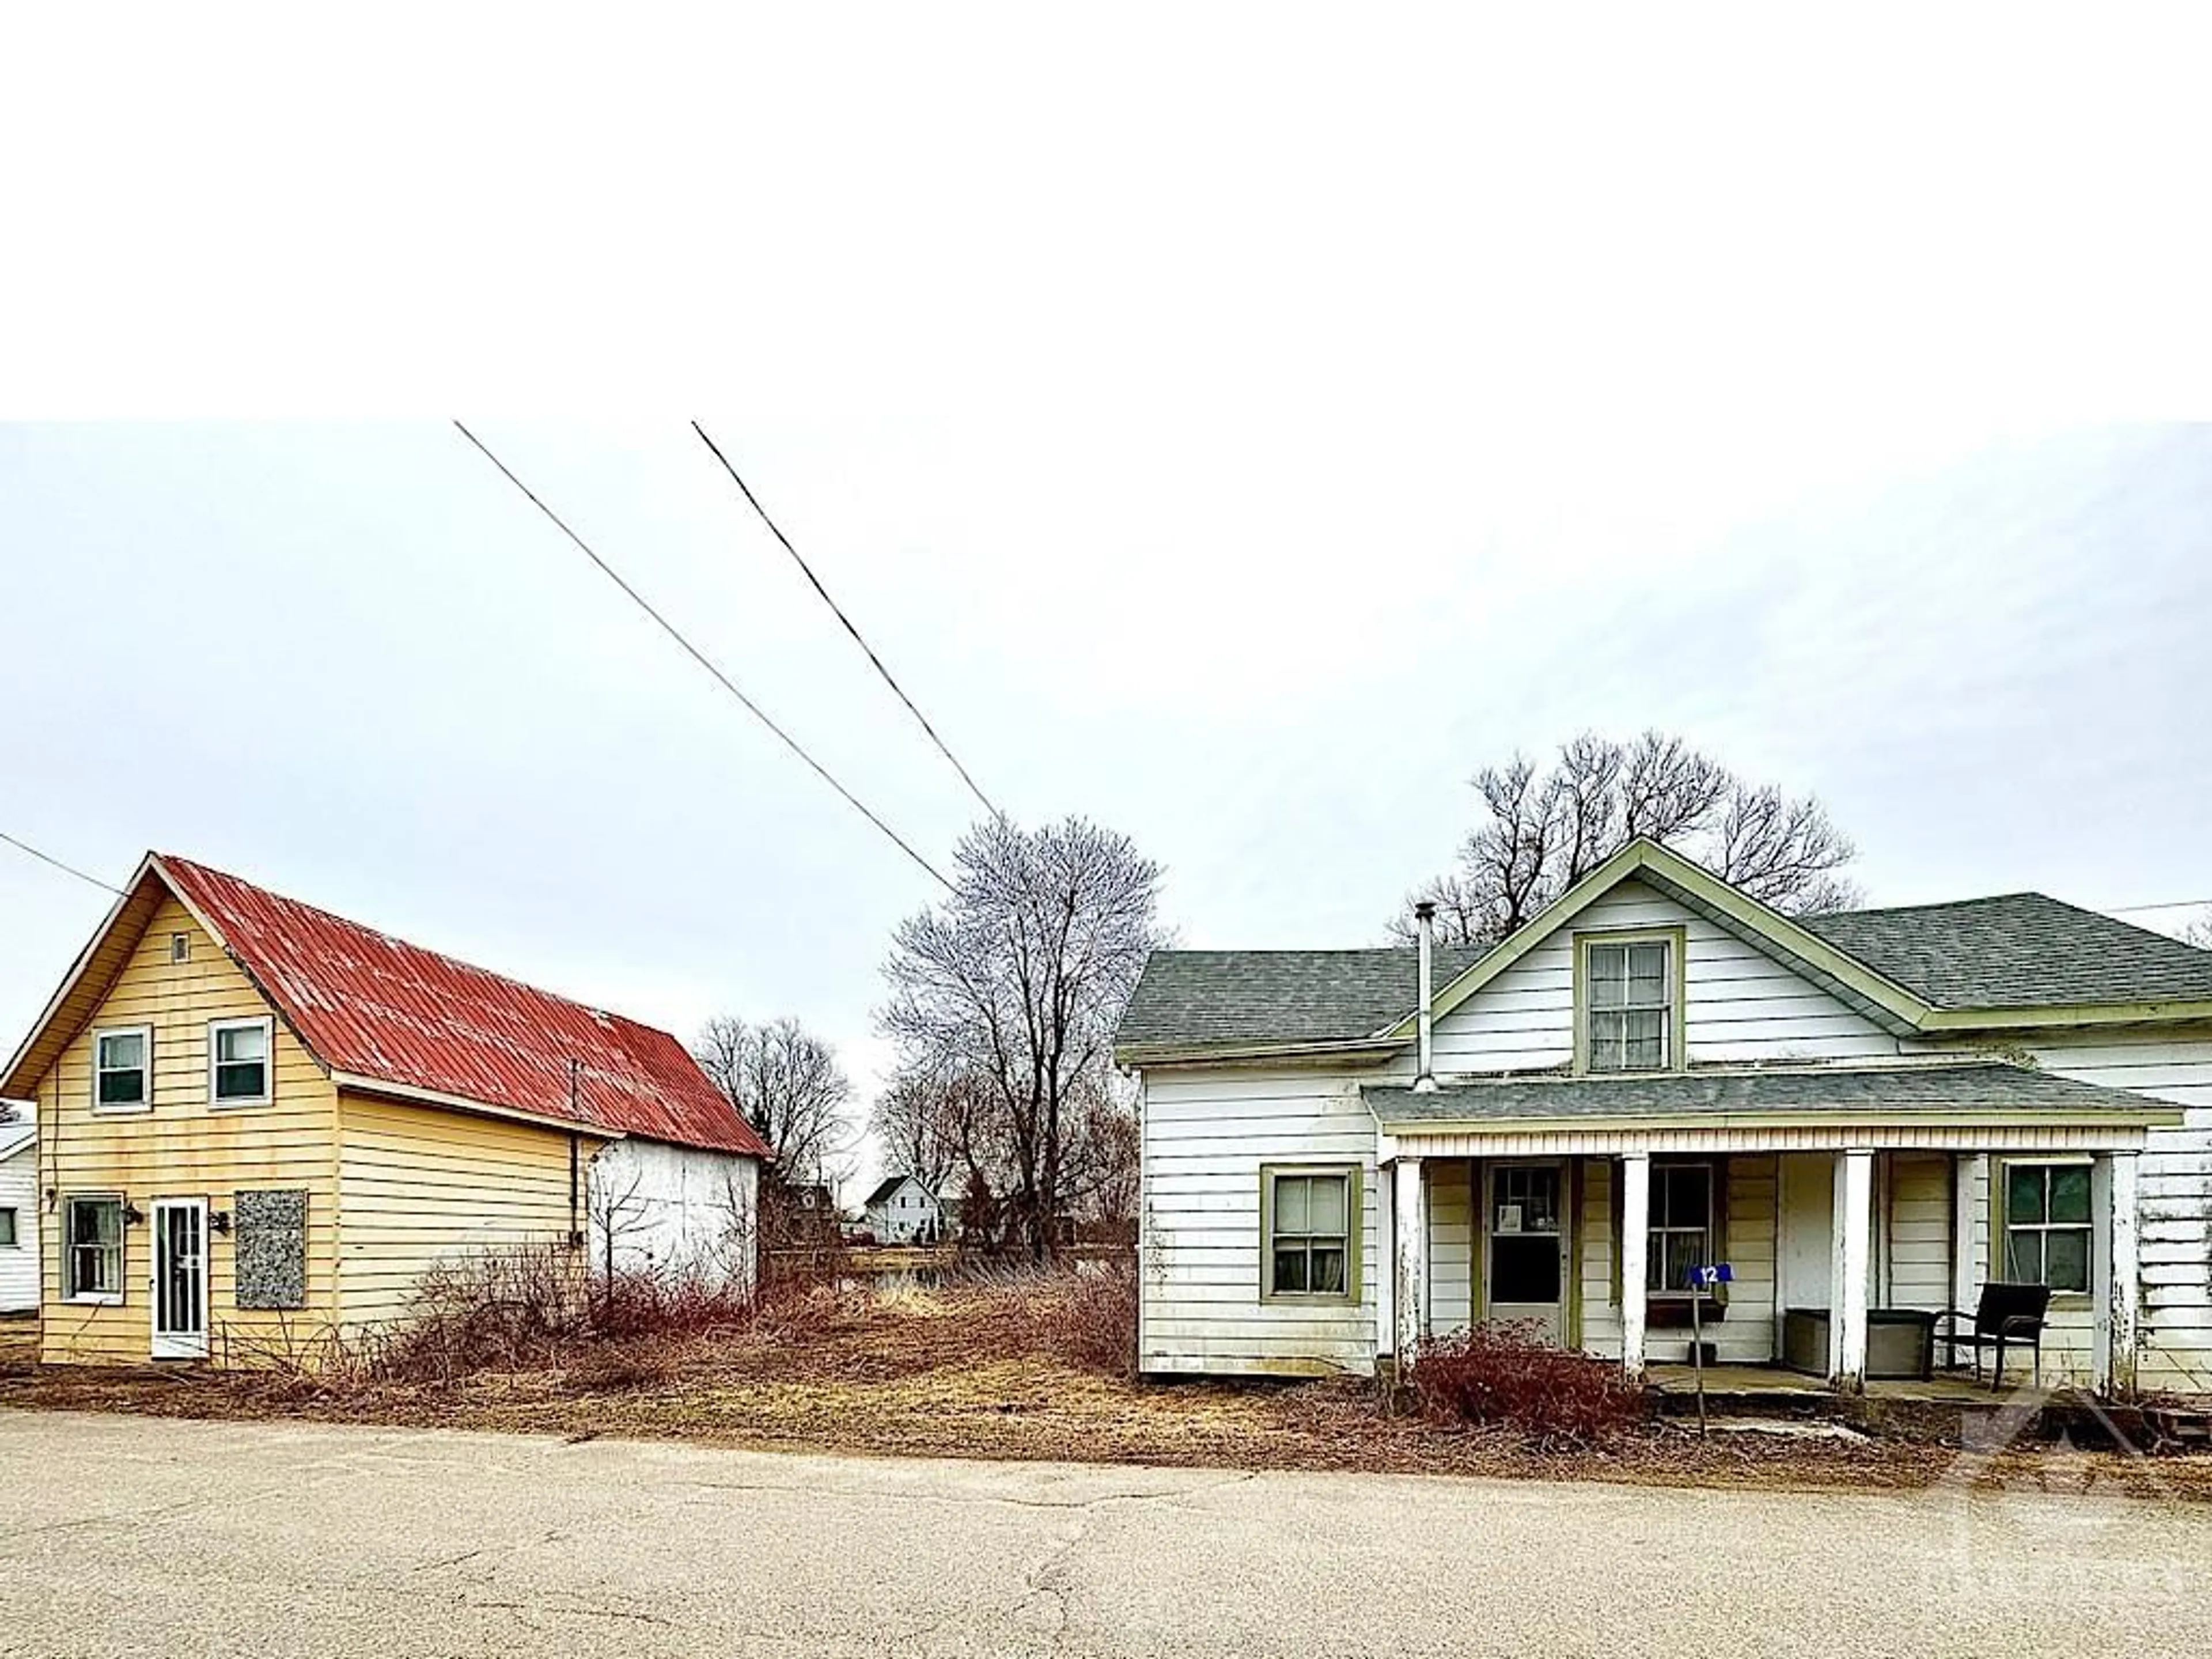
(701, 658)
(2169, 904)
(808, 571)
(67, 869)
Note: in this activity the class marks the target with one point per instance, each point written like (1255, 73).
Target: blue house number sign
(1704, 1278)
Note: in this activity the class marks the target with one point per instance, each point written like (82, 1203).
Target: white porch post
(1634, 1248)
(2114, 1274)
(1413, 1228)
(1966, 1169)
(1847, 1289)
(1386, 1251)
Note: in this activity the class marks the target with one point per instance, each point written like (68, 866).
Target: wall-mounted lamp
(132, 1215)
(220, 1220)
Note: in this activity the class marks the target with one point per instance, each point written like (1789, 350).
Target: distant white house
(903, 1211)
(19, 1210)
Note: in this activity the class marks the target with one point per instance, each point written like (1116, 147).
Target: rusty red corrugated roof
(379, 1007)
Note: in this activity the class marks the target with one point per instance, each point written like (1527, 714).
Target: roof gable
(1887, 1004)
(888, 1186)
(374, 1010)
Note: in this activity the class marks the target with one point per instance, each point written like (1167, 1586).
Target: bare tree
(787, 1085)
(1014, 984)
(2199, 931)
(617, 1210)
(1542, 831)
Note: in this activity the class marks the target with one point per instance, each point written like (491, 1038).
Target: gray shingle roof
(1846, 1091)
(1222, 998)
(2018, 950)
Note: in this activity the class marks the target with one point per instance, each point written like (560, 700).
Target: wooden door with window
(180, 1287)
(1525, 1252)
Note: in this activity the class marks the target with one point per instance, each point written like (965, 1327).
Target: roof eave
(2152, 1117)
(1352, 1050)
(412, 1094)
(21, 1077)
(1945, 1021)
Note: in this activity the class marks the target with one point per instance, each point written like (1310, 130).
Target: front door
(180, 1299)
(1525, 1256)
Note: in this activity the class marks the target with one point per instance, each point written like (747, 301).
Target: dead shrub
(1088, 1315)
(503, 1311)
(622, 1367)
(636, 1306)
(1504, 1376)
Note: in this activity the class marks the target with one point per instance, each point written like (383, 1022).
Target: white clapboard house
(1866, 1114)
(902, 1210)
(18, 1208)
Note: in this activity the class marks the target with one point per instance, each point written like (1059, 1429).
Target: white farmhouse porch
(1848, 1225)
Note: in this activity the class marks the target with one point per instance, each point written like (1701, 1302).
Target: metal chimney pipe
(1424, 919)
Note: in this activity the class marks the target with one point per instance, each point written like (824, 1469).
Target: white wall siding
(1205, 1135)
(1740, 1003)
(18, 1262)
(674, 1210)
(1915, 1268)
(2174, 1197)
(1451, 1243)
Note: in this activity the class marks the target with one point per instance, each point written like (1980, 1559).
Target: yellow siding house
(260, 1124)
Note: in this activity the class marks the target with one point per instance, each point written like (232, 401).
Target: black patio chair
(2008, 1314)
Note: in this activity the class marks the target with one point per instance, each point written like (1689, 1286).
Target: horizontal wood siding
(1916, 1235)
(419, 1185)
(1205, 1135)
(2174, 1200)
(18, 1262)
(1741, 1004)
(1451, 1244)
(185, 1147)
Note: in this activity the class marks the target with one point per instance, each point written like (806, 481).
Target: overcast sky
(1238, 437)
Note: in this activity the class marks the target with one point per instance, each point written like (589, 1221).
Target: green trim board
(1355, 1227)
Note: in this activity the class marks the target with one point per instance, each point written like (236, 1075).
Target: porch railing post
(2114, 1275)
(1968, 1195)
(1852, 1256)
(1635, 1248)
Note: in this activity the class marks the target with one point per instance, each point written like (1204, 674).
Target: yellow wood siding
(421, 1184)
(185, 1147)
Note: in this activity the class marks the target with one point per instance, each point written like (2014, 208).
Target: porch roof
(1977, 1092)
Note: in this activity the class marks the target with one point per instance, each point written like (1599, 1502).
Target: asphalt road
(132, 1536)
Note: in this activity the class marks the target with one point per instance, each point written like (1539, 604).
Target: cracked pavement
(132, 1534)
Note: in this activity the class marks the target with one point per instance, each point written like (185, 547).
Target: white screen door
(181, 1291)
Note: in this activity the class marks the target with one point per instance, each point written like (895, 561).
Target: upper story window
(123, 1069)
(1629, 1005)
(238, 1061)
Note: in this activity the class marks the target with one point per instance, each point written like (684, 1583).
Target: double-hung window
(9, 1233)
(238, 1061)
(1681, 1235)
(1310, 1223)
(93, 1243)
(2047, 1223)
(123, 1069)
(1629, 1005)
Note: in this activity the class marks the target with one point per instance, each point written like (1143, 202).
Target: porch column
(1966, 1178)
(1410, 1195)
(1634, 1248)
(1385, 1274)
(2114, 1274)
(1847, 1286)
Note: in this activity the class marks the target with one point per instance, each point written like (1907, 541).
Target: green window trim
(1351, 1175)
(1676, 940)
(2003, 1224)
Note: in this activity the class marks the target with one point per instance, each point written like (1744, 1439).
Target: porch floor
(1740, 1381)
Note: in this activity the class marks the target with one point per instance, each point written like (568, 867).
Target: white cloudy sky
(1237, 430)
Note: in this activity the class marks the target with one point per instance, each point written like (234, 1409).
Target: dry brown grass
(1023, 1367)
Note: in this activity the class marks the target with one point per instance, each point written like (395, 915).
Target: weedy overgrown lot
(1010, 1365)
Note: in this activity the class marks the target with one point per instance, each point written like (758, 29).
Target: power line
(808, 570)
(2169, 904)
(701, 658)
(67, 869)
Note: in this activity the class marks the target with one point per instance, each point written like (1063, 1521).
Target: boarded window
(269, 1257)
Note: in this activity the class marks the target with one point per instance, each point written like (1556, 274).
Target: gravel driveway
(135, 1535)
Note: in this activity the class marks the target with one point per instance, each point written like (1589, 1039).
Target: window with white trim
(238, 1061)
(1629, 1005)
(1681, 1222)
(2046, 1224)
(92, 1261)
(9, 1233)
(123, 1069)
